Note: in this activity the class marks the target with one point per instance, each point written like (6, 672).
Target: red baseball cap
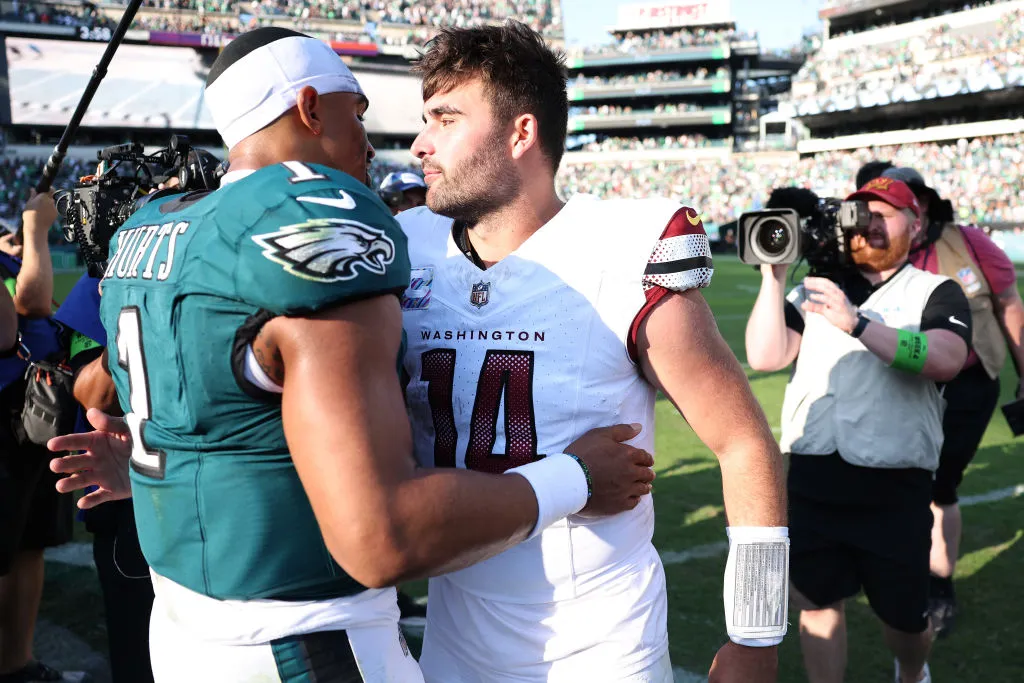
(891, 191)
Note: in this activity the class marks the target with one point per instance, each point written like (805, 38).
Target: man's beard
(879, 260)
(479, 186)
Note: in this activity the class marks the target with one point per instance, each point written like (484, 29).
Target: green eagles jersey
(218, 503)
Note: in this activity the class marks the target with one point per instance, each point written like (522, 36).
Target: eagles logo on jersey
(328, 249)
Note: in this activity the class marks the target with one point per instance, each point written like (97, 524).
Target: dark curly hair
(520, 73)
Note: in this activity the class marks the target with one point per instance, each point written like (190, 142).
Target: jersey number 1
(132, 359)
(506, 377)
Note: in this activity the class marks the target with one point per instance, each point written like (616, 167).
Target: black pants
(971, 399)
(857, 528)
(33, 516)
(127, 590)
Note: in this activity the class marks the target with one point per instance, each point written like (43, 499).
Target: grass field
(984, 649)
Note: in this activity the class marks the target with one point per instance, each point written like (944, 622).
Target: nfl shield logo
(481, 294)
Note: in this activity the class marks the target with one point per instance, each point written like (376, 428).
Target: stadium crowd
(620, 144)
(982, 177)
(661, 40)
(922, 12)
(656, 76)
(920, 62)
(623, 110)
(544, 14)
(197, 16)
(19, 175)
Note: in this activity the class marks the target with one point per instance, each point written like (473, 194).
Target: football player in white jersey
(531, 320)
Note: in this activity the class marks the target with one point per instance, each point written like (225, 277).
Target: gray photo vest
(844, 398)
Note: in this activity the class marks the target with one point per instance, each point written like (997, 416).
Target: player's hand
(40, 212)
(741, 664)
(104, 462)
(10, 245)
(620, 474)
(825, 297)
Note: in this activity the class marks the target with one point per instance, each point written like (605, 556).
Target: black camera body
(782, 236)
(97, 205)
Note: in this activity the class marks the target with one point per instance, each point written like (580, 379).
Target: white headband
(254, 91)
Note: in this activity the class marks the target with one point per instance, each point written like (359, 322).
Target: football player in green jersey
(257, 332)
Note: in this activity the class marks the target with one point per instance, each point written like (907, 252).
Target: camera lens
(772, 237)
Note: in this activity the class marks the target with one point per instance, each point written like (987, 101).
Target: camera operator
(37, 517)
(861, 421)
(120, 565)
(988, 278)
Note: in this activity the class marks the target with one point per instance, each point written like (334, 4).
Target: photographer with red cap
(862, 422)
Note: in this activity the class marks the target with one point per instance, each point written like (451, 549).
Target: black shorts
(33, 515)
(971, 399)
(874, 535)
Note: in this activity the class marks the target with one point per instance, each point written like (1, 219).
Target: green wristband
(80, 343)
(911, 352)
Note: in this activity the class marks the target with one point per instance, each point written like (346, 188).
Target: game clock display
(95, 33)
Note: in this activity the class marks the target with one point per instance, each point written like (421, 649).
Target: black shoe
(409, 608)
(943, 615)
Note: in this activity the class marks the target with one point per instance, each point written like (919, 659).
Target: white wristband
(560, 485)
(756, 587)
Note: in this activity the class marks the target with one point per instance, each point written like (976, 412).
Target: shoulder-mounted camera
(97, 205)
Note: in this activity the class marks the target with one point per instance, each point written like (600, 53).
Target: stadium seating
(660, 41)
(657, 76)
(938, 61)
(233, 16)
(982, 177)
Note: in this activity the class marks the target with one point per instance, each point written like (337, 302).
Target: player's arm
(34, 291)
(683, 354)
(93, 387)
(385, 520)
(771, 343)
(680, 351)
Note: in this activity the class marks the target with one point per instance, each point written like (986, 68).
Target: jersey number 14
(506, 377)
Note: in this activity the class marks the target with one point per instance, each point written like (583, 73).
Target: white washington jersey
(512, 363)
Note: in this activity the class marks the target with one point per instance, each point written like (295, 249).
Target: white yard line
(697, 552)
(993, 496)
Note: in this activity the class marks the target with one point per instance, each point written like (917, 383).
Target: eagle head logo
(328, 249)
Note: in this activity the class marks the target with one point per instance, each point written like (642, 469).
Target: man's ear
(525, 135)
(307, 102)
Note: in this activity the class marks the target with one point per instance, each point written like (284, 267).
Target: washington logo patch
(328, 249)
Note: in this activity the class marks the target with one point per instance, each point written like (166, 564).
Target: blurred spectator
(34, 515)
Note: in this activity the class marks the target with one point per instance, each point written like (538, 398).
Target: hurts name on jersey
(153, 245)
